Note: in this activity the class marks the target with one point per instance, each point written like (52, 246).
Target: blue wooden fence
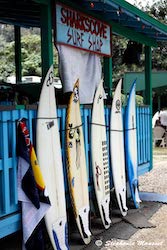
(9, 209)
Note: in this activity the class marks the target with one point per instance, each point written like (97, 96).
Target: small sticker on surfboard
(118, 106)
(50, 78)
(50, 124)
(98, 173)
(70, 144)
(76, 94)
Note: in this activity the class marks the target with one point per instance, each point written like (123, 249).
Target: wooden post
(108, 74)
(159, 102)
(17, 53)
(148, 93)
(46, 38)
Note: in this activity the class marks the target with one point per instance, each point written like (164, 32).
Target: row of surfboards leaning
(50, 159)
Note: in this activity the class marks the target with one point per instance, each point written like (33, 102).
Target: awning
(128, 16)
(18, 12)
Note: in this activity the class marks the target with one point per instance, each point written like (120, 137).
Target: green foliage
(7, 32)
(30, 52)
(139, 99)
(7, 64)
(158, 10)
(55, 61)
(31, 55)
(159, 54)
(119, 45)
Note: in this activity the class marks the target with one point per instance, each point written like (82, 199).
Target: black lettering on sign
(95, 43)
(75, 37)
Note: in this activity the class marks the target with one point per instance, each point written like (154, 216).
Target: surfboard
(99, 153)
(131, 145)
(50, 161)
(76, 165)
(117, 149)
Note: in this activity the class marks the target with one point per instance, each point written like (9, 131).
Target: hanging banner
(84, 32)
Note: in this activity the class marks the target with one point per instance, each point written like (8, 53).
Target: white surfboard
(76, 164)
(117, 149)
(50, 161)
(131, 145)
(99, 153)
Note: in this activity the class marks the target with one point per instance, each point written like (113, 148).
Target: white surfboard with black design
(117, 149)
(99, 152)
(50, 162)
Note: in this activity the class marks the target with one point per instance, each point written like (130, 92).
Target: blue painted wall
(10, 218)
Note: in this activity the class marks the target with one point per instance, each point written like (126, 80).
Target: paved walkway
(125, 233)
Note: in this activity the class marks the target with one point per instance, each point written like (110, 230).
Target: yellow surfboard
(76, 165)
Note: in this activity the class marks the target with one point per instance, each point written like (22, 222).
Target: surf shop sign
(78, 30)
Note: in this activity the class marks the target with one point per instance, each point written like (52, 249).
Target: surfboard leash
(47, 118)
(72, 128)
(127, 129)
(98, 124)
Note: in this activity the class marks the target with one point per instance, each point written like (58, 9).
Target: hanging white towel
(78, 64)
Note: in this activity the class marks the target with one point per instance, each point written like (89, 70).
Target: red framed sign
(81, 31)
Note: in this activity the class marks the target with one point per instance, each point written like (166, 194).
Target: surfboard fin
(135, 193)
(122, 204)
(83, 215)
(105, 208)
(60, 234)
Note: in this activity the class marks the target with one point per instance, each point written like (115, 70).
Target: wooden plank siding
(10, 219)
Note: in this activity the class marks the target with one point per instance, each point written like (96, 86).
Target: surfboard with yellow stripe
(76, 165)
